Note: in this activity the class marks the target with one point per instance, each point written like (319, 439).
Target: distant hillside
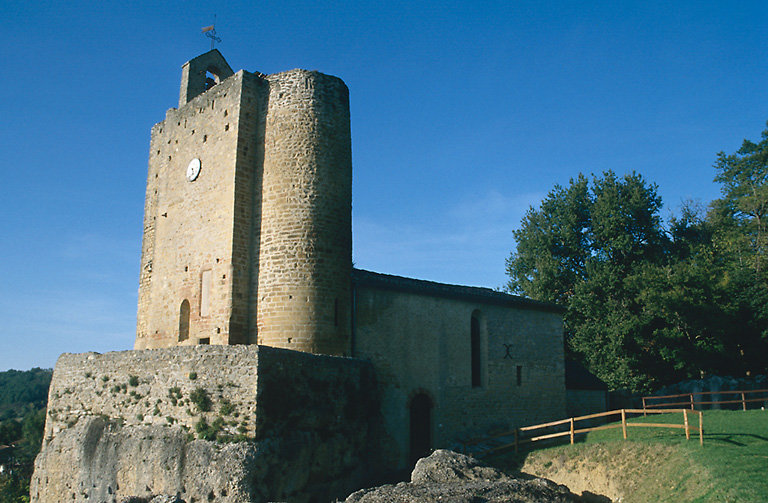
(23, 398)
(22, 391)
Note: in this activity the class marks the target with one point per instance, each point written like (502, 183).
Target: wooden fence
(519, 437)
(692, 402)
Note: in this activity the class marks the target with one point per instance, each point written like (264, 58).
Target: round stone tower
(305, 238)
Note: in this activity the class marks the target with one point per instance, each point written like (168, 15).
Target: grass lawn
(659, 464)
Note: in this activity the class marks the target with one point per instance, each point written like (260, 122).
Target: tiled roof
(578, 377)
(473, 293)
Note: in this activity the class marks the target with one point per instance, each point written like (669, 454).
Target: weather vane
(210, 32)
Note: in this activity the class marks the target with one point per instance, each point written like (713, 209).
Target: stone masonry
(127, 424)
(246, 282)
(258, 247)
(417, 335)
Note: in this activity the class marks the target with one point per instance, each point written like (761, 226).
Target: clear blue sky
(463, 115)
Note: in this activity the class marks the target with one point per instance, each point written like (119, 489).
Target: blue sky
(463, 115)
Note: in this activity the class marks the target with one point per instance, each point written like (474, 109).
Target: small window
(204, 341)
(519, 375)
(184, 321)
(476, 352)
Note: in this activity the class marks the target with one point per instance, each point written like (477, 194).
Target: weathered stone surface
(258, 247)
(449, 477)
(444, 466)
(417, 335)
(312, 420)
(98, 461)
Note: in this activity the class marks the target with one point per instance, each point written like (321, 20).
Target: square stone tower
(247, 219)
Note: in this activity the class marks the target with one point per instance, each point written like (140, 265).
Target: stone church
(247, 244)
(248, 240)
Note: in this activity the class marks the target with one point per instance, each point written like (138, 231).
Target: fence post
(517, 434)
(685, 422)
(571, 431)
(643, 406)
(743, 401)
(691, 395)
(701, 428)
(624, 423)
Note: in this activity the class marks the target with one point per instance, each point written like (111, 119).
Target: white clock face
(193, 169)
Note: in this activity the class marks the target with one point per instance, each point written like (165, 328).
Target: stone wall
(154, 387)
(305, 239)
(287, 425)
(188, 225)
(417, 335)
(260, 244)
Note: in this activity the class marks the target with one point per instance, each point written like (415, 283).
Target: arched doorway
(421, 427)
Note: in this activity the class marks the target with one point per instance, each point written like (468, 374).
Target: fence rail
(518, 433)
(693, 402)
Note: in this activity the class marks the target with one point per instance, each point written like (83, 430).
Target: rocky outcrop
(98, 461)
(230, 424)
(95, 461)
(449, 477)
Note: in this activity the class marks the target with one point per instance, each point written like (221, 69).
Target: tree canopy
(649, 303)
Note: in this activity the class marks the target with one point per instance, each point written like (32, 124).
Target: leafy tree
(23, 391)
(744, 179)
(560, 227)
(23, 397)
(740, 218)
(10, 431)
(644, 305)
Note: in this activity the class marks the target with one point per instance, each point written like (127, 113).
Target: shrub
(192, 376)
(200, 398)
(226, 407)
(208, 431)
(133, 380)
(174, 394)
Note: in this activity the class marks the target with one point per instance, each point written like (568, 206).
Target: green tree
(643, 304)
(23, 396)
(561, 228)
(744, 205)
(740, 218)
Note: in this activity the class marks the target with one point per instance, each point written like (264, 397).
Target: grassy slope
(658, 464)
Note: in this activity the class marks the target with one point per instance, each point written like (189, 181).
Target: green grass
(659, 464)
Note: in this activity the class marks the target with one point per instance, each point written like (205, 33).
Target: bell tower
(247, 221)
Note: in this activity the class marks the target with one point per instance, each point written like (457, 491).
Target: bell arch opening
(212, 77)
